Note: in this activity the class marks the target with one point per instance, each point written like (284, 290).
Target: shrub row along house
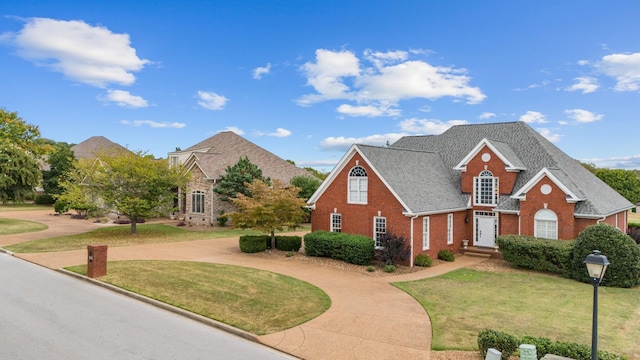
(472, 182)
(208, 160)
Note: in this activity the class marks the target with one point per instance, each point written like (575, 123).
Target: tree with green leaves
(235, 178)
(322, 175)
(269, 208)
(307, 184)
(60, 162)
(76, 193)
(625, 182)
(22, 134)
(19, 172)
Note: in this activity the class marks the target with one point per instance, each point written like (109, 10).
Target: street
(48, 315)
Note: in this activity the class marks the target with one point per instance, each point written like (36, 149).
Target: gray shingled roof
(532, 150)
(94, 145)
(226, 148)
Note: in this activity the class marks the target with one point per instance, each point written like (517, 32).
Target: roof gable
(94, 145)
(571, 196)
(501, 149)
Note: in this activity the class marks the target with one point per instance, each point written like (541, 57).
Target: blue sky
(306, 79)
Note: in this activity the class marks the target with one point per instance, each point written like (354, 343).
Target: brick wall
(476, 165)
(556, 201)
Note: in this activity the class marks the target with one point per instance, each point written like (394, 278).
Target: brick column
(96, 260)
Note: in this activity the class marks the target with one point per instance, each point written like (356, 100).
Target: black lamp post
(596, 266)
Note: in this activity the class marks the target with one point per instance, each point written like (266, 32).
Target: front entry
(485, 229)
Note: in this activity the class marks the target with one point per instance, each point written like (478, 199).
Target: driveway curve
(368, 317)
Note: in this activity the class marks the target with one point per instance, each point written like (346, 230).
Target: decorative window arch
(358, 185)
(546, 224)
(197, 202)
(485, 189)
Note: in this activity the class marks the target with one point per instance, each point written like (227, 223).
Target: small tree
(269, 208)
(235, 178)
(60, 161)
(307, 184)
(75, 191)
(136, 185)
(394, 249)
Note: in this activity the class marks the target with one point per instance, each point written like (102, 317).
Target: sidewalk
(368, 317)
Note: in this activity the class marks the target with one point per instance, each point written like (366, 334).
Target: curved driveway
(368, 317)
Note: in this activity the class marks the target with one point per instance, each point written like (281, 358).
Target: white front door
(486, 229)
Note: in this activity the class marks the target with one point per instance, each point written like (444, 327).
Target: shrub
(389, 268)
(621, 251)
(60, 207)
(253, 243)
(446, 255)
(222, 219)
(534, 253)
(371, 268)
(394, 249)
(423, 260)
(543, 345)
(288, 243)
(505, 343)
(351, 248)
(289, 254)
(44, 199)
(634, 233)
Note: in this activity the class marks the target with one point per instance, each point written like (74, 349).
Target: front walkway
(368, 317)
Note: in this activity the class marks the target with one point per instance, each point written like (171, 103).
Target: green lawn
(120, 236)
(12, 226)
(463, 302)
(260, 302)
(24, 207)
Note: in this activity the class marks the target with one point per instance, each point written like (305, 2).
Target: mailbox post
(96, 260)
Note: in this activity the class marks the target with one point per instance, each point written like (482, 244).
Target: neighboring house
(472, 182)
(208, 160)
(95, 145)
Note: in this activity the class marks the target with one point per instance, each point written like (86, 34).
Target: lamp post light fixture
(596, 266)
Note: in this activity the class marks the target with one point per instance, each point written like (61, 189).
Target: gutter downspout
(411, 260)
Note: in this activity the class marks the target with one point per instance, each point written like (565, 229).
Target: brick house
(208, 160)
(472, 182)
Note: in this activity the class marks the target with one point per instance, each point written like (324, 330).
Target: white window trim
(426, 233)
(477, 196)
(201, 195)
(362, 187)
(536, 219)
(375, 228)
(339, 216)
(449, 229)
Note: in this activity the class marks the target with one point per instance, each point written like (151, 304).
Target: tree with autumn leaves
(269, 208)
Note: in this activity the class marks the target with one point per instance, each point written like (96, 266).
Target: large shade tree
(269, 208)
(134, 184)
(60, 160)
(20, 149)
(625, 182)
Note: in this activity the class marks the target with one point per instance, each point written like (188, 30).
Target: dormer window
(358, 185)
(485, 189)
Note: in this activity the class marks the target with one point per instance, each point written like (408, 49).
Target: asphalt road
(49, 315)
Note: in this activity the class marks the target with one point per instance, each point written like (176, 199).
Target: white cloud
(625, 68)
(211, 100)
(583, 116)
(583, 62)
(88, 54)
(428, 127)
(317, 163)
(617, 162)
(342, 143)
(154, 124)
(486, 115)
(234, 129)
(339, 75)
(260, 71)
(367, 110)
(125, 99)
(547, 133)
(280, 132)
(533, 117)
(584, 84)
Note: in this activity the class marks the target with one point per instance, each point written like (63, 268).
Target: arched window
(485, 189)
(197, 202)
(546, 224)
(357, 185)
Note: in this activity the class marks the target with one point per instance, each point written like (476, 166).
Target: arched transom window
(357, 185)
(485, 189)
(546, 224)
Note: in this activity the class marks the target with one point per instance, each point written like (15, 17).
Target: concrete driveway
(368, 317)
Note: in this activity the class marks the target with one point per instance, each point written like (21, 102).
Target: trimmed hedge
(535, 253)
(351, 248)
(423, 260)
(621, 251)
(257, 243)
(44, 199)
(508, 344)
(253, 243)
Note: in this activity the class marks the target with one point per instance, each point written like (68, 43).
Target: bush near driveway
(351, 248)
(533, 253)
